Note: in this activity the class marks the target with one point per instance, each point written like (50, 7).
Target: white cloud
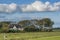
(40, 6)
(35, 6)
(11, 7)
(7, 7)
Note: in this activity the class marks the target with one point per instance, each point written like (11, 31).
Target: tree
(31, 28)
(45, 22)
(24, 23)
(4, 27)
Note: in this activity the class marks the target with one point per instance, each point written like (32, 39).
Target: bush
(31, 29)
(14, 31)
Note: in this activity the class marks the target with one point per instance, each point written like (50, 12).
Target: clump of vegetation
(4, 26)
(29, 25)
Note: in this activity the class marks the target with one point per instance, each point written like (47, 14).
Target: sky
(17, 10)
(25, 1)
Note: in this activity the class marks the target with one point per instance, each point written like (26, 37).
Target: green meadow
(31, 36)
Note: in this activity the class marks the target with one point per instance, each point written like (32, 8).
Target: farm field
(31, 36)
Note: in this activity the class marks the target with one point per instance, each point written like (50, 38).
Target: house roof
(17, 26)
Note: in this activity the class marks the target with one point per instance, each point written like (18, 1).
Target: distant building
(15, 27)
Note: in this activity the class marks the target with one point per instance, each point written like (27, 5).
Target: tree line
(28, 25)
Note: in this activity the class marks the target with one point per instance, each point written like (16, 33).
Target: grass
(49, 38)
(32, 36)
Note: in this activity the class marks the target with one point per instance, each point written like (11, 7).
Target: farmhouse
(15, 27)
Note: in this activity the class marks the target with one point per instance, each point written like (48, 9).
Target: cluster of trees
(27, 25)
(46, 22)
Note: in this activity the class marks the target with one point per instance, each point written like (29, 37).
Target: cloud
(8, 8)
(40, 6)
(33, 7)
(11, 7)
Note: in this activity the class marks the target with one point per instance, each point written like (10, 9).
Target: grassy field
(31, 36)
